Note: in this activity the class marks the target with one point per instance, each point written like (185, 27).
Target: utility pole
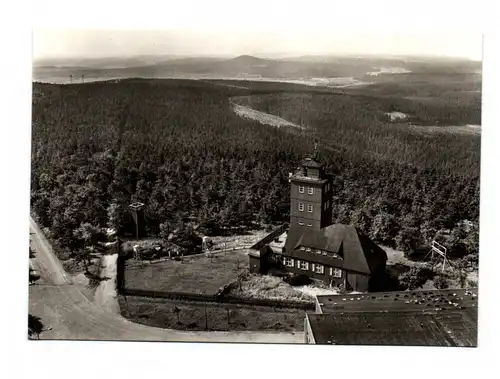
(137, 215)
(206, 318)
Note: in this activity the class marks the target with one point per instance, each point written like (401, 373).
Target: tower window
(301, 207)
(309, 208)
(310, 190)
(301, 189)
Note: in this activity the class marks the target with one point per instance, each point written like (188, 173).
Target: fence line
(218, 298)
(166, 259)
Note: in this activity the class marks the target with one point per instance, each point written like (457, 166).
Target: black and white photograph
(199, 186)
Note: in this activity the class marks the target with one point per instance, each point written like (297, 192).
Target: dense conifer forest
(178, 147)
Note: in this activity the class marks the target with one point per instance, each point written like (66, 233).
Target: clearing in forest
(263, 118)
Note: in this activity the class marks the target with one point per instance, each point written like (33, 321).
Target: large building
(412, 318)
(338, 254)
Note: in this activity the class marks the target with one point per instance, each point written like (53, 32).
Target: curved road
(70, 315)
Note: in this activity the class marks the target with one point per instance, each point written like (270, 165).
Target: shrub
(127, 250)
(297, 280)
(440, 282)
(415, 277)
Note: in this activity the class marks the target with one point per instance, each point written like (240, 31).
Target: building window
(302, 248)
(335, 272)
(318, 269)
(301, 189)
(308, 249)
(309, 225)
(301, 223)
(288, 262)
(324, 206)
(301, 207)
(310, 190)
(309, 208)
(304, 265)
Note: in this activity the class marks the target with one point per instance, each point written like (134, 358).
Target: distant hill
(248, 66)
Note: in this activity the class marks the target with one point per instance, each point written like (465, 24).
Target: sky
(233, 41)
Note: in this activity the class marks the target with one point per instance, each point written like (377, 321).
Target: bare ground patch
(263, 118)
(170, 314)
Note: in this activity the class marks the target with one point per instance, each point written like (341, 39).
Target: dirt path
(67, 314)
(105, 295)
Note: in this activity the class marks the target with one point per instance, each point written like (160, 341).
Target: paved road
(70, 315)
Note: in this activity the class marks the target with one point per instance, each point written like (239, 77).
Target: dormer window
(301, 189)
(310, 190)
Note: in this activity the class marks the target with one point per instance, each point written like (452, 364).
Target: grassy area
(267, 287)
(229, 242)
(196, 274)
(169, 314)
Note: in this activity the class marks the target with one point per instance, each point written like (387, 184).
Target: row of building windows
(315, 267)
(319, 252)
(309, 207)
(326, 205)
(302, 224)
(310, 190)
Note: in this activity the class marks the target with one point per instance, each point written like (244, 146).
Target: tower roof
(312, 162)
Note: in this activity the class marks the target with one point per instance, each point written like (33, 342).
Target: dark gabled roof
(359, 253)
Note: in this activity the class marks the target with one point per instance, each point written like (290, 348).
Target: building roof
(277, 246)
(445, 328)
(416, 318)
(404, 301)
(311, 162)
(359, 253)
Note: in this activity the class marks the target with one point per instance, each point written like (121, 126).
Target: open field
(197, 274)
(191, 315)
(455, 129)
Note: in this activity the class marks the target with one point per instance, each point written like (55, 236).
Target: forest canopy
(178, 147)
